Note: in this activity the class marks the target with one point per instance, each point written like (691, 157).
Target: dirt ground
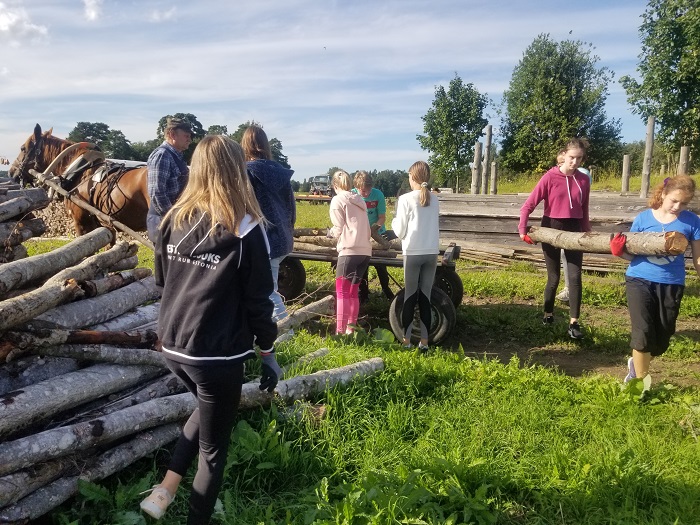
(571, 359)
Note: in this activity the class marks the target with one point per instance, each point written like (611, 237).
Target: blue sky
(338, 83)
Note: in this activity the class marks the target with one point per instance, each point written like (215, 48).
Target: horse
(110, 187)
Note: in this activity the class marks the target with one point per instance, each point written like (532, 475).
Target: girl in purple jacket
(565, 192)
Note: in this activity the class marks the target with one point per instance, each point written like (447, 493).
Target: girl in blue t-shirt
(655, 284)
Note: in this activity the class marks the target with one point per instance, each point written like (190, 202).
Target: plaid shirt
(167, 176)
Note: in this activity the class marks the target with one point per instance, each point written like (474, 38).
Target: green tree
(116, 146)
(141, 150)
(217, 129)
(556, 92)
(275, 144)
(451, 126)
(95, 132)
(669, 68)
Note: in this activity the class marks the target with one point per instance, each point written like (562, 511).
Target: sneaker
(548, 320)
(575, 331)
(630, 371)
(423, 349)
(156, 503)
(563, 296)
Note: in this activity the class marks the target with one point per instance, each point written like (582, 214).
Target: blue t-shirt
(666, 269)
(376, 206)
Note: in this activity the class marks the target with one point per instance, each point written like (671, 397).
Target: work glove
(617, 244)
(271, 371)
(527, 239)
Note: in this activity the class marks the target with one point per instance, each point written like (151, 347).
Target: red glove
(527, 239)
(617, 244)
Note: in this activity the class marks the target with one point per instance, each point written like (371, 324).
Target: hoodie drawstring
(580, 192)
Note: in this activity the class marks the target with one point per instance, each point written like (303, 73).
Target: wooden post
(494, 179)
(648, 148)
(486, 160)
(683, 161)
(625, 173)
(476, 169)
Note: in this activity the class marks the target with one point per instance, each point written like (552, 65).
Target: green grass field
(458, 437)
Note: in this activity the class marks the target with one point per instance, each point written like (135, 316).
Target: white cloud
(16, 27)
(163, 16)
(93, 9)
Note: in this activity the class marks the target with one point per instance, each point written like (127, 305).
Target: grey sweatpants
(418, 278)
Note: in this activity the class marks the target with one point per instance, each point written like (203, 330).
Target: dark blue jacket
(272, 185)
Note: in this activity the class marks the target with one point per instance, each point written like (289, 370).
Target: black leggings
(574, 261)
(208, 431)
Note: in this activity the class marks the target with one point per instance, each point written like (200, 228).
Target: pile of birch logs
(83, 390)
(15, 206)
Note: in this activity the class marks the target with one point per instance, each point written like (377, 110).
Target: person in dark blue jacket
(212, 262)
(272, 185)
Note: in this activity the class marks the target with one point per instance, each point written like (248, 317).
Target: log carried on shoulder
(638, 243)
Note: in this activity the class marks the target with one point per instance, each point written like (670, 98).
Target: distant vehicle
(321, 185)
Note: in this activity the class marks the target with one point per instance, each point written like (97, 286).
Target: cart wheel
(449, 282)
(443, 317)
(291, 279)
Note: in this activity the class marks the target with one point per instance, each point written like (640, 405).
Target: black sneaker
(547, 320)
(575, 331)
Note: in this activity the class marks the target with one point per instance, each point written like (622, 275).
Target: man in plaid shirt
(167, 172)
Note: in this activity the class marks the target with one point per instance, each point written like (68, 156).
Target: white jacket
(417, 226)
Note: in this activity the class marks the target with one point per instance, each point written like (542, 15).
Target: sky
(338, 83)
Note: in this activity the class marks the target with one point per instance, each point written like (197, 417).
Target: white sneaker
(563, 296)
(631, 374)
(156, 503)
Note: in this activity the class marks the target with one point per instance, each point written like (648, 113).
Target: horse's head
(30, 157)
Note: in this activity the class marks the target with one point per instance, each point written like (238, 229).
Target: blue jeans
(279, 312)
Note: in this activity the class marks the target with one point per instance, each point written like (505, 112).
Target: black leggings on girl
(574, 261)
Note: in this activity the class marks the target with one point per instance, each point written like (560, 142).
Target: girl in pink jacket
(565, 192)
(351, 228)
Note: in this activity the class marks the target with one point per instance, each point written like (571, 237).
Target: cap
(178, 123)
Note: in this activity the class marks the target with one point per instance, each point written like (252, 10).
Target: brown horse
(110, 187)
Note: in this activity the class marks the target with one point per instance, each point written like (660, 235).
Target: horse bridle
(31, 156)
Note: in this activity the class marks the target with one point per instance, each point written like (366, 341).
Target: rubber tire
(291, 279)
(449, 282)
(444, 317)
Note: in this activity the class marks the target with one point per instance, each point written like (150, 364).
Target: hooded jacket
(273, 189)
(216, 292)
(565, 197)
(350, 225)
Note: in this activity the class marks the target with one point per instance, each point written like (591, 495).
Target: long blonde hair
(419, 172)
(341, 180)
(218, 186)
(680, 182)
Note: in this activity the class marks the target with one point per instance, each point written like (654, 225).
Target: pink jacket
(350, 224)
(565, 197)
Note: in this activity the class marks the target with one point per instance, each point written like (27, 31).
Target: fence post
(494, 179)
(625, 173)
(683, 161)
(486, 160)
(476, 169)
(648, 148)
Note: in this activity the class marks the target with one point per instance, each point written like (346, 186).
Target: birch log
(13, 233)
(96, 264)
(140, 317)
(21, 205)
(638, 243)
(325, 306)
(106, 354)
(51, 496)
(128, 263)
(99, 309)
(35, 403)
(14, 274)
(33, 369)
(13, 253)
(95, 287)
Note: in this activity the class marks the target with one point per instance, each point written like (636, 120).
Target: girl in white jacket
(417, 225)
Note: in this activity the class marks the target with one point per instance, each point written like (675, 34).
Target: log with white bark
(313, 232)
(36, 403)
(28, 306)
(128, 263)
(36, 226)
(51, 496)
(112, 282)
(81, 314)
(106, 354)
(63, 441)
(325, 250)
(638, 243)
(20, 206)
(15, 274)
(141, 317)
(322, 307)
(96, 264)
(58, 442)
(33, 369)
(34, 194)
(17, 485)
(13, 253)
(316, 354)
(327, 242)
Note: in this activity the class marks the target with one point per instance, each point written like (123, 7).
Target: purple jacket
(565, 197)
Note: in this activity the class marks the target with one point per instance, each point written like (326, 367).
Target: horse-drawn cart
(446, 295)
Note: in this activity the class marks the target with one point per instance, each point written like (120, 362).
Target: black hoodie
(216, 292)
